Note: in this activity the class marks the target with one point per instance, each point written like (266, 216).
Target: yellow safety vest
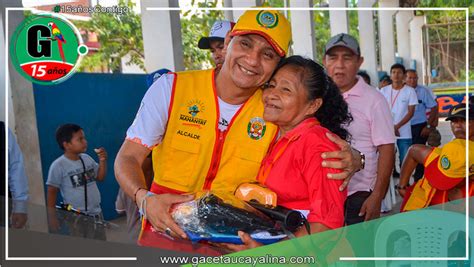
(422, 192)
(194, 155)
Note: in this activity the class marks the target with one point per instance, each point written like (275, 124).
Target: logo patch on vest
(445, 164)
(190, 114)
(194, 107)
(256, 128)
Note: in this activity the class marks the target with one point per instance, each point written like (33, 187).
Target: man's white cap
(217, 33)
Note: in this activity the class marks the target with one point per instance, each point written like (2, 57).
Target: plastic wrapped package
(217, 217)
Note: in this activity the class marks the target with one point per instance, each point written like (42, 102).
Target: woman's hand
(348, 161)
(157, 212)
(249, 243)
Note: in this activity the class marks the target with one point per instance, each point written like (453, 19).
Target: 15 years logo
(46, 48)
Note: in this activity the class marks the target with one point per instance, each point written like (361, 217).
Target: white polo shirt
(398, 101)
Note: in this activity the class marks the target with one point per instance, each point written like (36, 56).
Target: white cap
(218, 33)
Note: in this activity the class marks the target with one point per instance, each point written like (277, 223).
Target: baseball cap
(218, 32)
(270, 24)
(449, 167)
(459, 111)
(152, 77)
(385, 78)
(344, 40)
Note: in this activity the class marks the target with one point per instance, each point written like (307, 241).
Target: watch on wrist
(362, 159)
(428, 126)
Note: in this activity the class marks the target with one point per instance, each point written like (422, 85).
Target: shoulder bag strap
(84, 177)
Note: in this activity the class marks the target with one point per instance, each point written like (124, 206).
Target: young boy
(68, 173)
(402, 100)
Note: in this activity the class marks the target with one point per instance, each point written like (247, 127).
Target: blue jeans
(403, 145)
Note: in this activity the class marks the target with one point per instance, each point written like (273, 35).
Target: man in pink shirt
(371, 130)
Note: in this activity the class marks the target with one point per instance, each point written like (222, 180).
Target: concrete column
(228, 14)
(403, 18)
(386, 36)
(24, 114)
(302, 25)
(416, 45)
(367, 40)
(242, 3)
(162, 36)
(338, 19)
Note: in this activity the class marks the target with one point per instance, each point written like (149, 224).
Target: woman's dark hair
(333, 113)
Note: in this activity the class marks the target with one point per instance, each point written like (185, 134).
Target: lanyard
(84, 178)
(266, 168)
(396, 96)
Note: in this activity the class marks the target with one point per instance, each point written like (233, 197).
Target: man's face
(217, 53)
(397, 75)
(412, 79)
(250, 61)
(342, 66)
(458, 127)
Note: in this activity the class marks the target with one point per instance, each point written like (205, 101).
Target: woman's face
(286, 99)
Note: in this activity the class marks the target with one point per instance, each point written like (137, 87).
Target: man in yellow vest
(445, 168)
(205, 130)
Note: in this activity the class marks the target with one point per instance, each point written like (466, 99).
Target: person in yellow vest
(445, 168)
(206, 130)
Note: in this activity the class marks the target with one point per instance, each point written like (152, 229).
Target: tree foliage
(446, 16)
(194, 25)
(447, 37)
(118, 35)
(322, 32)
(322, 28)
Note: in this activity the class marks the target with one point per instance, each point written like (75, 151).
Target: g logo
(46, 48)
